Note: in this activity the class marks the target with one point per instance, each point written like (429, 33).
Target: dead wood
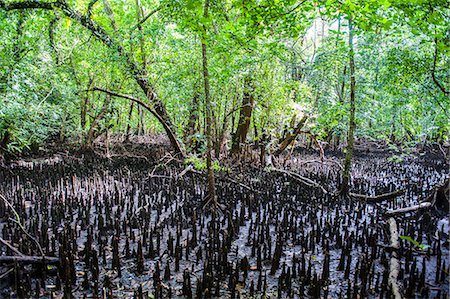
(190, 168)
(394, 265)
(19, 223)
(421, 206)
(15, 250)
(439, 197)
(378, 198)
(29, 259)
(301, 179)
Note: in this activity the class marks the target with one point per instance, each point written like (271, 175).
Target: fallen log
(394, 265)
(439, 197)
(420, 206)
(378, 198)
(301, 179)
(29, 259)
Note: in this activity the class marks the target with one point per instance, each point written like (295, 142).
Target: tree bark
(100, 33)
(245, 115)
(352, 123)
(394, 265)
(25, 259)
(193, 118)
(211, 182)
(91, 134)
(130, 114)
(378, 198)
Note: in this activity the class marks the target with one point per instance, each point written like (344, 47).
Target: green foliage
(28, 125)
(199, 163)
(420, 246)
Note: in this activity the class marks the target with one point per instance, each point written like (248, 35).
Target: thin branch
(146, 17)
(301, 179)
(29, 259)
(140, 102)
(90, 6)
(17, 220)
(378, 198)
(15, 250)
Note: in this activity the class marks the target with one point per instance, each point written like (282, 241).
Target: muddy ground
(135, 225)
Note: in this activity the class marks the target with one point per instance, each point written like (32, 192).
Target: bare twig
(301, 179)
(15, 250)
(324, 161)
(186, 170)
(378, 198)
(6, 273)
(17, 220)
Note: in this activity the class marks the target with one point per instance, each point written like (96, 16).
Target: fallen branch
(190, 168)
(439, 197)
(394, 265)
(421, 206)
(186, 170)
(378, 198)
(11, 247)
(6, 273)
(17, 221)
(301, 179)
(240, 184)
(29, 259)
(321, 162)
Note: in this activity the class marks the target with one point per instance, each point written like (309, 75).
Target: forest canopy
(77, 70)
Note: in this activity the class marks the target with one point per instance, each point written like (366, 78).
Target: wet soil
(130, 226)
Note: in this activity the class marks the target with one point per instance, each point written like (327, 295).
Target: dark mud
(132, 227)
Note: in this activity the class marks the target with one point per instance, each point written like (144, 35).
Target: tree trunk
(130, 113)
(211, 182)
(91, 134)
(85, 104)
(190, 130)
(141, 125)
(140, 15)
(245, 115)
(351, 123)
